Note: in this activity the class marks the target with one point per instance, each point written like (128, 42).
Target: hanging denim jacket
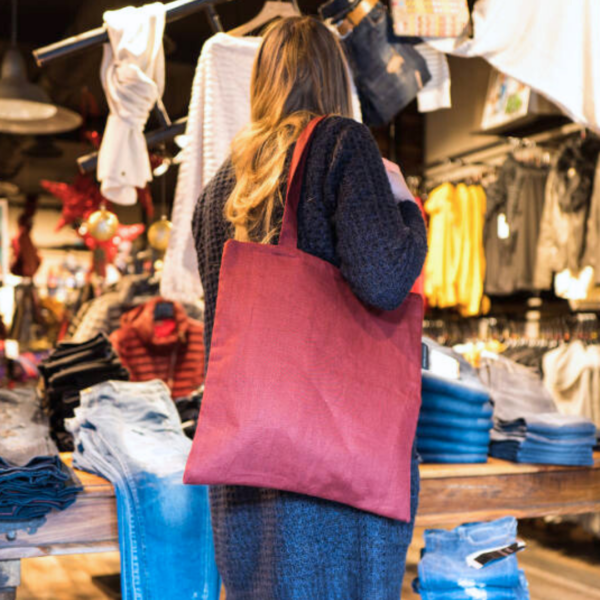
(388, 73)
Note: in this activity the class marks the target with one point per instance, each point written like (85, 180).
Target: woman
(273, 545)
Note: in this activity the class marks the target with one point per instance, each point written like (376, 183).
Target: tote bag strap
(289, 227)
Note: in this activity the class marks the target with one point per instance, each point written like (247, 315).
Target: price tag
(443, 365)
(503, 227)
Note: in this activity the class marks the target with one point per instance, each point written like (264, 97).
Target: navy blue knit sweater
(273, 545)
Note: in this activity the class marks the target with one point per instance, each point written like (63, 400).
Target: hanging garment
(219, 108)
(515, 202)
(171, 349)
(436, 93)
(552, 46)
(572, 374)
(441, 263)
(133, 78)
(592, 239)
(565, 221)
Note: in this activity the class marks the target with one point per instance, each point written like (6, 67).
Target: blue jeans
(444, 572)
(453, 459)
(431, 404)
(131, 434)
(464, 422)
(387, 73)
(435, 445)
(475, 437)
(466, 391)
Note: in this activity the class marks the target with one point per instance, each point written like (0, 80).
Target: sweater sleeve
(381, 244)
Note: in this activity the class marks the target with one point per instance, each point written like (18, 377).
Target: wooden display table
(450, 494)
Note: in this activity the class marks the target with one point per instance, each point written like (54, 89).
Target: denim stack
(71, 368)
(547, 438)
(456, 415)
(33, 479)
(444, 573)
(130, 433)
(527, 426)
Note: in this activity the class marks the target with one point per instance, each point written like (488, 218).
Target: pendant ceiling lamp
(25, 108)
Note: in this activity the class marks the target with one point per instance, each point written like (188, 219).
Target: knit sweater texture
(270, 544)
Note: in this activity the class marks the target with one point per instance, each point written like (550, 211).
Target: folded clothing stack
(445, 574)
(33, 479)
(546, 438)
(130, 433)
(456, 414)
(70, 369)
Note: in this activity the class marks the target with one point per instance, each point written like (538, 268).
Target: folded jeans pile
(546, 438)
(33, 479)
(456, 414)
(68, 370)
(130, 433)
(444, 573)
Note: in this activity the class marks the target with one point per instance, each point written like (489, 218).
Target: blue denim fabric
(452, 459)
(466, 391)
(476, 437)
(549, 455)
(434, 403)
(444, 572)
(387, 73)
(521, 592)
(450, 420)
(131, 434)
(436, 446)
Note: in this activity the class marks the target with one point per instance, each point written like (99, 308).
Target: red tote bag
(307, 390)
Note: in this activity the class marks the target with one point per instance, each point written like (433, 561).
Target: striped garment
(171, 350)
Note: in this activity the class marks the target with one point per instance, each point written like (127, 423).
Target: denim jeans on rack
(388, 73)
(131, 433)
(444, 572)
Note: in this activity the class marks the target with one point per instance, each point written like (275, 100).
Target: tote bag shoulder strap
(289, 227)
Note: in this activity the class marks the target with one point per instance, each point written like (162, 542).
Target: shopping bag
(307, 389)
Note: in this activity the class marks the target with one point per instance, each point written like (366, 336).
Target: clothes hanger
(271, 10)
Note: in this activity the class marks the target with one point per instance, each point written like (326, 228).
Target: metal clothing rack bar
(78, 43)
(494, 151)
(89, 162)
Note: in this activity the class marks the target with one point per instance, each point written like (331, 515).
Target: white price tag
(443, 365)
(503, 227)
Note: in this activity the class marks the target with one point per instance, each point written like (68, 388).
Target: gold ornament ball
(159, 234)
(102, 225)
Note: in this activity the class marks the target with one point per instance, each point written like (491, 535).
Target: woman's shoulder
(344, 127)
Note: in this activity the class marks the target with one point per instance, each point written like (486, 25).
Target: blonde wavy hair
(300, 72)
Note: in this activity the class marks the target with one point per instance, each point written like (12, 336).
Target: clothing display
(533, 42)
(157, 340)
(33, 479)
(130, 433)
(388, 74)
(436, 92)
(219, 108)
(455, 265)
(133, 78)
(515, 202)
(254, 527)
(71, 368)
(545, 438)
(445, 574)
(572, 374)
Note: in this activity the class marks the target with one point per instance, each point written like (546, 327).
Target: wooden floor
(561, 563)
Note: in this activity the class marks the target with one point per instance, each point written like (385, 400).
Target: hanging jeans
(388, 73)
(131, 434)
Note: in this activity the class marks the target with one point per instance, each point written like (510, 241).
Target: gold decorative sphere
(159, 234)
(102, 225)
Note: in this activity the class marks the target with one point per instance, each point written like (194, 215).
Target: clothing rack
(95, 37)
(464, 164)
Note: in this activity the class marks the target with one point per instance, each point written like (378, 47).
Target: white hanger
(270, 10)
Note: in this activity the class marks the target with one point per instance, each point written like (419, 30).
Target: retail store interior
(103, 310)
